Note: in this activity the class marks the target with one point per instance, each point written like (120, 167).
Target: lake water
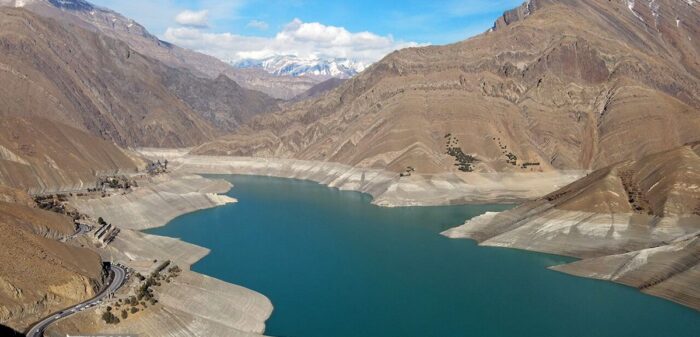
(334, 265)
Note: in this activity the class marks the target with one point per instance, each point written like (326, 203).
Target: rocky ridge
(556, 85)
(76, 76)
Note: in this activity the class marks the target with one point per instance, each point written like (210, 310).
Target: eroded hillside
(83, 78)
(557, 85)
(38, 274)
(38, 154)
(635, 222)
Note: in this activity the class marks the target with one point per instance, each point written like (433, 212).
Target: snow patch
(291, 65)
(654, 7)
(630, 5)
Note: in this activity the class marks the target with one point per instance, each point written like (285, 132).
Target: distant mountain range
(291, 65)
(555, 85)
(108, 22)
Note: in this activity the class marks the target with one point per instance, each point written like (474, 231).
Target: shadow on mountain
(9, 332)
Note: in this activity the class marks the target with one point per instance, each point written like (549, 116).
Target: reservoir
(335, 265)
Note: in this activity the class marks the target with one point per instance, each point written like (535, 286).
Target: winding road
(118, 276)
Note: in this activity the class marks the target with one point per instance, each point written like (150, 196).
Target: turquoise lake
(335, 265)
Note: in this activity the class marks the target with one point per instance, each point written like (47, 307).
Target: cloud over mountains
(190, 18)
(304, 39)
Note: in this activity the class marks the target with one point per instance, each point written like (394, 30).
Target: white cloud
(303, 39)
(257, 24)
(193, 18)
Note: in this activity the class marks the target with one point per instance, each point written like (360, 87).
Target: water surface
(334, 265)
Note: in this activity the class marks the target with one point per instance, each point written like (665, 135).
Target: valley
(570, 128)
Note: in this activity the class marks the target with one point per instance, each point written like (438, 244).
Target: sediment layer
(634, 222)
(158, 201)
(387, 188)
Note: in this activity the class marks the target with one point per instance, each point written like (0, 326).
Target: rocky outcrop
(635, 222)
(559, 85)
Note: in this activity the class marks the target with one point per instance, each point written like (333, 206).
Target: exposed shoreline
(184, 191)
(622, 247)
(387, 188)
(213, 307)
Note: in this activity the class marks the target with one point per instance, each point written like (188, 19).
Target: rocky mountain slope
(635, 222)
(115, 25)
(37, 154)
(99, 84)
(38, 274)
(320, 89)
(221, 102)
(555, 85)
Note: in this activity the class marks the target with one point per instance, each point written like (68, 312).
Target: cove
(333, 264)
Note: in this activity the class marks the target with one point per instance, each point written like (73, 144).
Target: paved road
(118, 276)
(82, 230)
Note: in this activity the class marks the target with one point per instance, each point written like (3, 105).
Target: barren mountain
(115, 25)
(38, 154)
(556, 85)
(635, 222)
(221, 102)
(86, 79)
(320, 89)
(39, 275)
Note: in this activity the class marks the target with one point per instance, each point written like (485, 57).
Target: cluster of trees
(116, 182)
(144, 294)
(109, 317)
(528, 164)
(512, 159)
(465, 162)
(157, 167)
(53, 203)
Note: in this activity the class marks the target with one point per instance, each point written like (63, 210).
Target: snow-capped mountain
(290, 65)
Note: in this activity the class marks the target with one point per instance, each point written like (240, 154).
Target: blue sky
(361, 29)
